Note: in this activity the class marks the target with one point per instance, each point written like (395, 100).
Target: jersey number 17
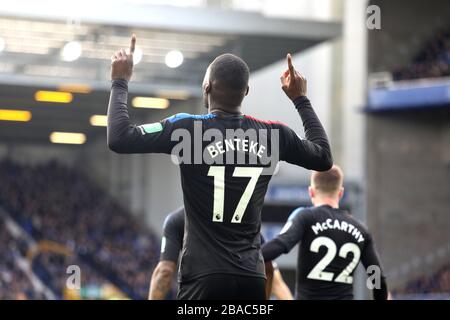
(218, 172)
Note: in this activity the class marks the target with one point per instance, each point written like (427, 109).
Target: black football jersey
(173, 233)
(226, 163)
(331, 245)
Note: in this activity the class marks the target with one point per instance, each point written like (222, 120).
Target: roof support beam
(198, 20)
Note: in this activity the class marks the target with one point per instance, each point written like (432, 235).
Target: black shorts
(223, 287)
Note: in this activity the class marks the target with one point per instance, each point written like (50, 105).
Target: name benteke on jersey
(234, 146)
(335, 224)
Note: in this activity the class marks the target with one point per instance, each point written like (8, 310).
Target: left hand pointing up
(122, 62)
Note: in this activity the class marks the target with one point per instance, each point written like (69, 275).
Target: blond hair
(328, 182)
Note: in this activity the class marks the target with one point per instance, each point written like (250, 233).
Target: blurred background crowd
(76, 223)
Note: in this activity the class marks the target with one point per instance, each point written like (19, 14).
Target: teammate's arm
(313, 152)
(279, 287)
(269, 278)
(161, 280)
(275, 284)
(171, 244)
(122, 135)
(273, 249)
(369, 258)
(290, 235)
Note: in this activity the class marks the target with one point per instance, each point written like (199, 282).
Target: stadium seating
(14, 284)
(431, 62)
(427, 285)
(54, 203)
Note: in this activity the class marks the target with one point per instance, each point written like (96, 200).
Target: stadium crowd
(431, 62)
(14, 283)
(52, 202)
(438, 282)
(51, 267)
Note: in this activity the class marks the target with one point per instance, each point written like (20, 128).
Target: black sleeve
(125, 137)
(312, 153)
(369, 258)
(173, 232)
(273, 249)
(290, 235)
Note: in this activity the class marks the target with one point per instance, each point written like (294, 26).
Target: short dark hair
(230, 73)
(328, 182)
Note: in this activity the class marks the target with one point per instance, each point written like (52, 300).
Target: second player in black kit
(331, 245)
(171, 246)
(221, 256)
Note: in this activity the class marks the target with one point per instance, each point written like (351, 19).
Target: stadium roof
(35, 36)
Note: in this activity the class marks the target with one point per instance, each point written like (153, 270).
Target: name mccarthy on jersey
(338, 225)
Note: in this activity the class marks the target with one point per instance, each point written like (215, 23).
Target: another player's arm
(171, 245)
(369, 258)
(161, 280)
(314, 152)
(275, 284)
(269, 279)
(291, 234)
(279, 287)
(122, 135)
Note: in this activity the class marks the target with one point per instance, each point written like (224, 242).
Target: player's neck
(218, 107)
(332, 202)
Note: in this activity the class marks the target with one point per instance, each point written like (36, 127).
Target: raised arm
(313, 152)
(120, 130)
(122, 135)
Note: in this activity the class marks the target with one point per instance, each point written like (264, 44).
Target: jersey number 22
(317, 272)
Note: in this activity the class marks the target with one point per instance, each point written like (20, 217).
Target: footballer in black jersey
(331, 244)
(226, 160)
(171, 246)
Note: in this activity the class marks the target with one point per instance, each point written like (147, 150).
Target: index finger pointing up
(290, 66)
(133, 43)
